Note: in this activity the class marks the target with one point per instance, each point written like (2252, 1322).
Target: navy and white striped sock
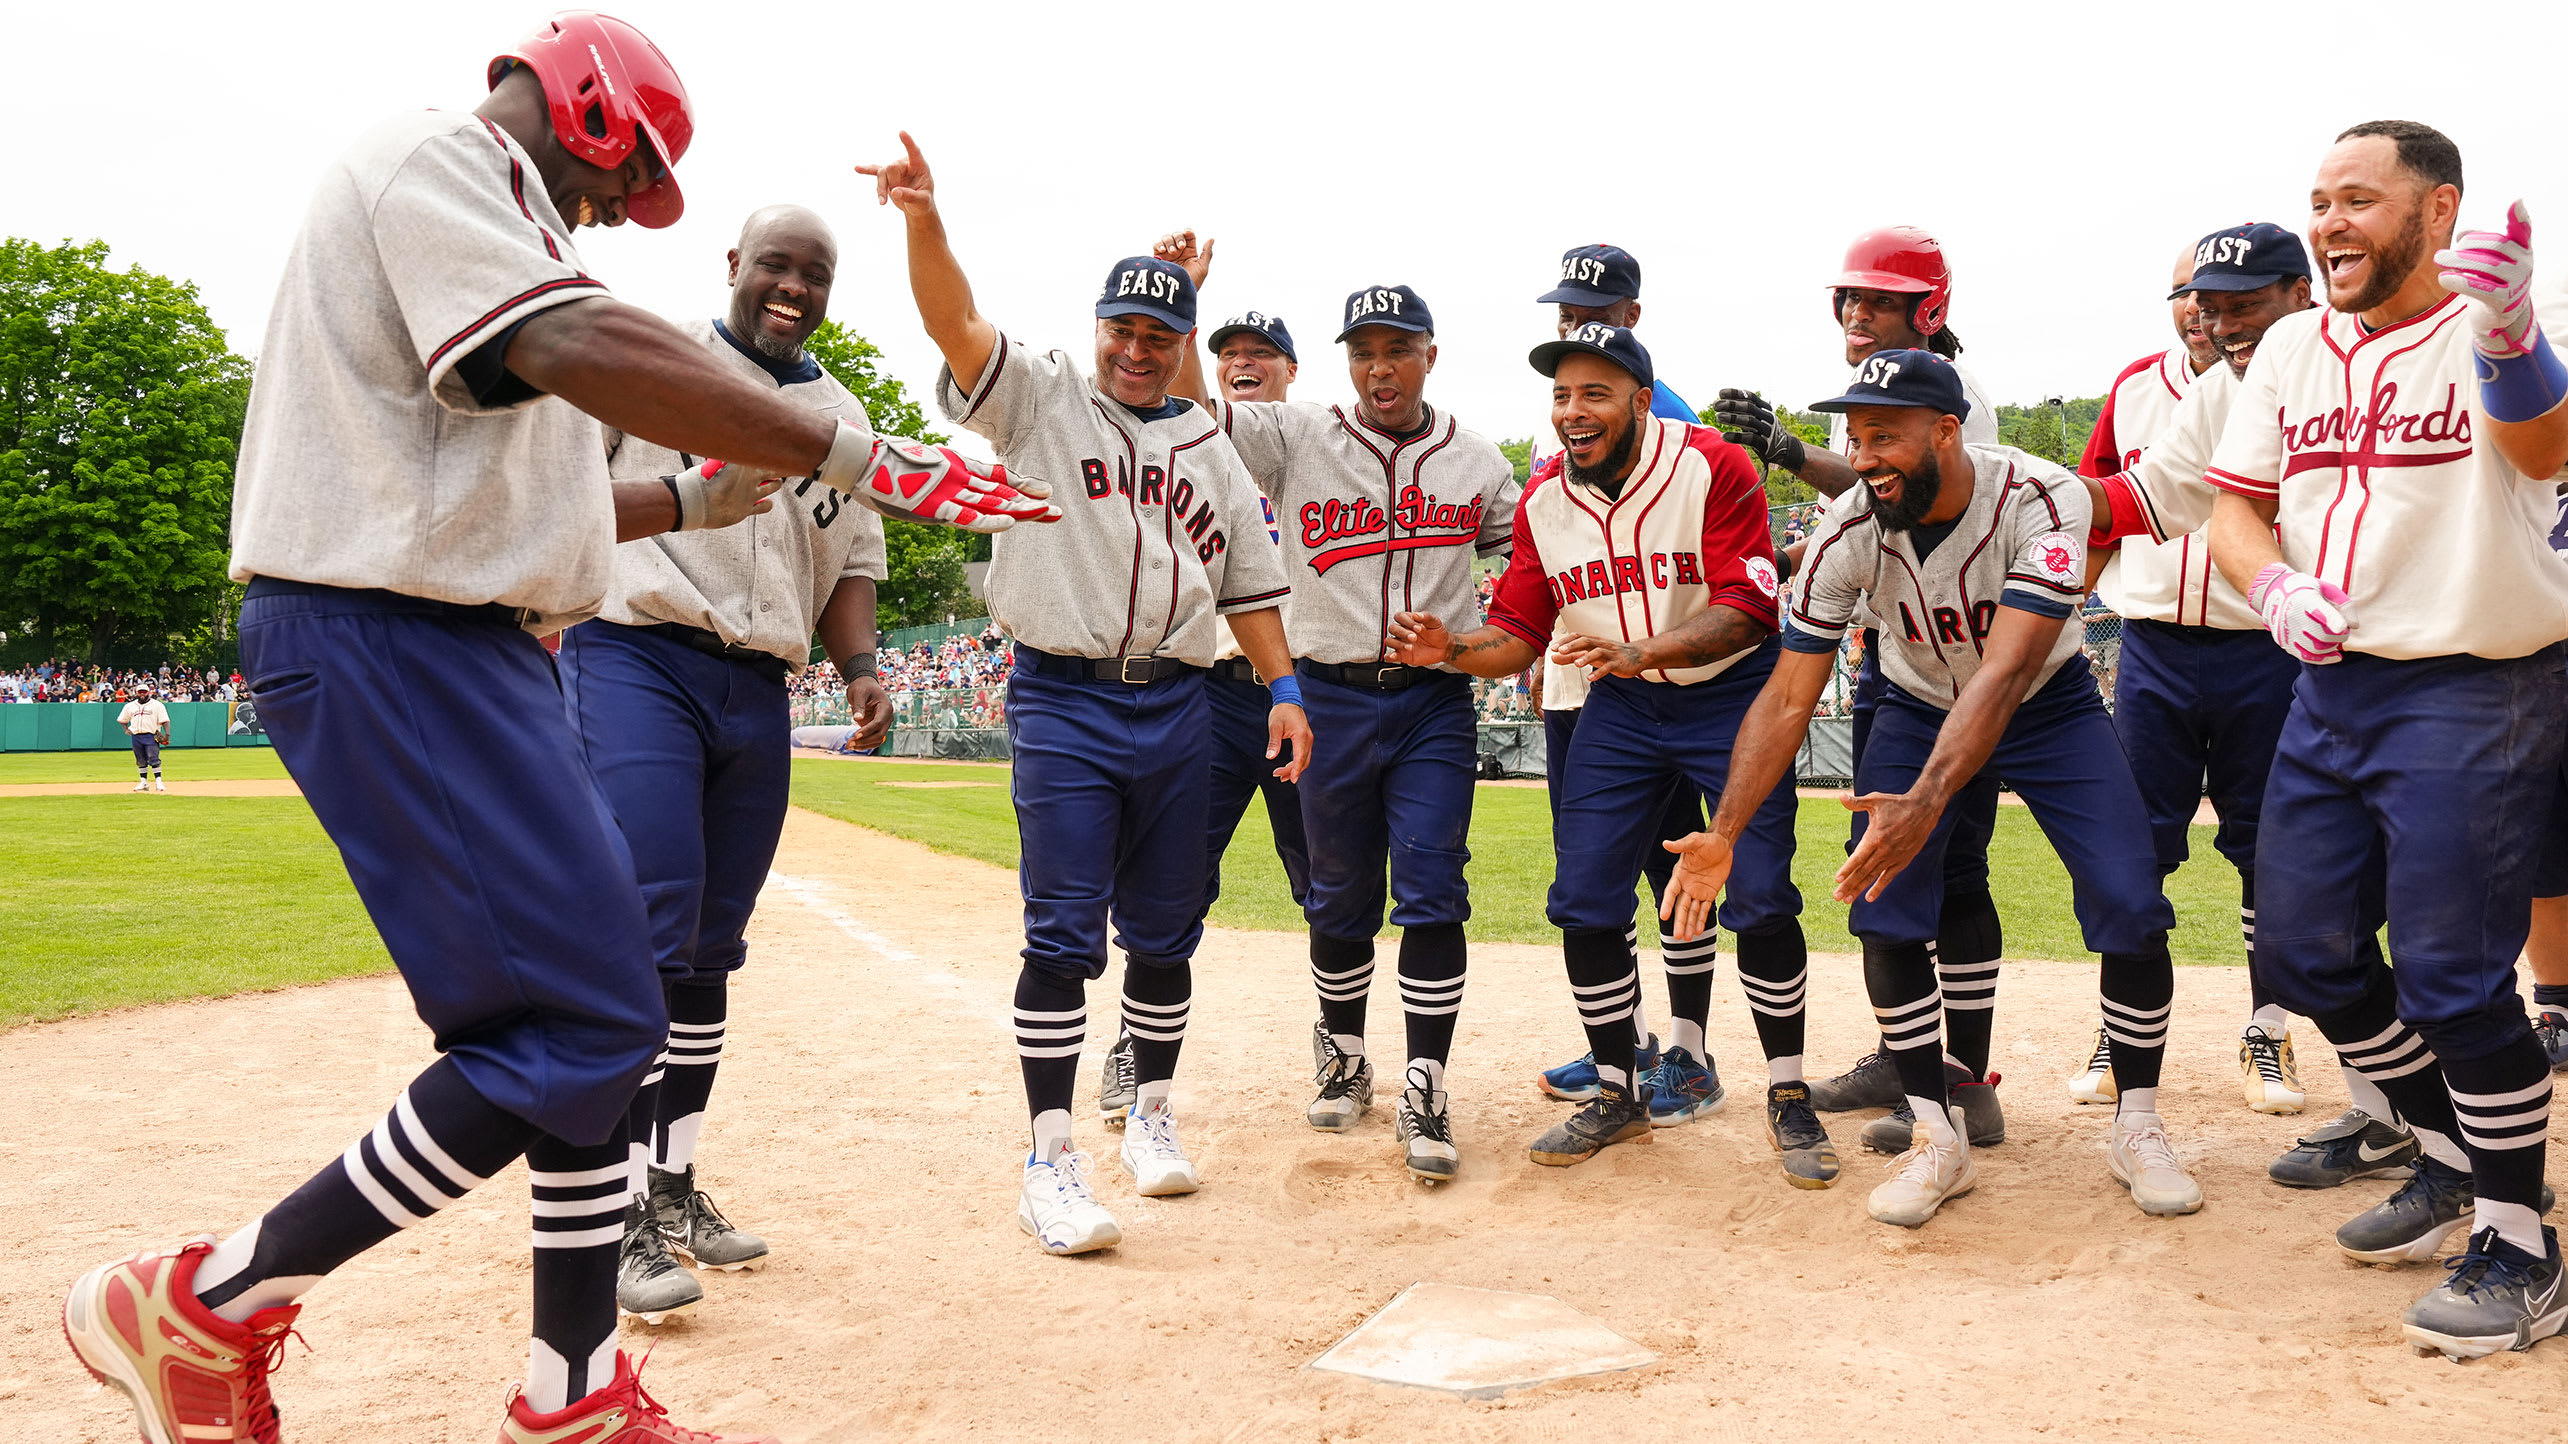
(1689, 968)
(1051, 1028)
(1433, 962)
(1900, 980)
(2139, 993)
(1606, 985)
(1774, 972)
(1342, 972)
(1157, 998)
(2502, 1100)
(699, 1025)
(440, 1141)
(580, 1194)
(2371, 1040)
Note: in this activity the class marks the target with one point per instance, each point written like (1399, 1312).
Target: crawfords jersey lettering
(2384, 485)
(1687, 533)
(1159, 528)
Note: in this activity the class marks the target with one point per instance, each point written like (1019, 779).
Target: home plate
(1479, 1343)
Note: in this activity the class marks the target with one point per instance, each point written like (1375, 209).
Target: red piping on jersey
(558, 283)
(1810, 570)
(1168, 520)
(1132, 463)
(1962, 578)
(1390, 490)
(2368, 458)
(517, 188)
(1925, 611)
(990, 383)
(1657, 492)
(1417, 471)
(2172, 389)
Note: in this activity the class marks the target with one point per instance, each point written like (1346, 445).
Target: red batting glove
(912, 481)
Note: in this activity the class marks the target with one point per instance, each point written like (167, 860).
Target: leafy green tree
(120, 422)
(2055, 433)
(1521, 452)
(927, 582)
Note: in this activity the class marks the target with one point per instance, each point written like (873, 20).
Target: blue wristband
(1286, 690)
(2520, 388)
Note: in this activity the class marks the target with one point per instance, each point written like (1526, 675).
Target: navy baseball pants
(1393, 781)
(146, 749)
(2199, 709)
(1683, 815)
(690, 750)
(1242, 770)
(1973, 809)
(431, 742)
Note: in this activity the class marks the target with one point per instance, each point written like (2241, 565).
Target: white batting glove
(913, 481)
(2492, 270)
(2308, 617)
(719, 493)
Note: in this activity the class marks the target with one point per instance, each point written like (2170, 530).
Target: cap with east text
(1615, 343)
(2246, 258)
(1396, 306)
(1257, 323)
(1148, 286)
(1903, 378)
(1597, 275)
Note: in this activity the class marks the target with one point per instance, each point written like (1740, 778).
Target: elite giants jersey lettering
(2021, 543)
(2372, 444)
(762, 582)
(1374, 524)
(2167, 576)
(1687, 534)
(1159, 522)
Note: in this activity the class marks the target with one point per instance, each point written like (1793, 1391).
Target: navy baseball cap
(1148, 286)
(1386, 306)
(2246, 258)
(1615, 343)
(1270, 327)
(1903, 378)
(1597, 275)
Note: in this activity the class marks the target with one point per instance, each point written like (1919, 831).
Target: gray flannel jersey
(762, 582)
(1373, 524)
(365, 461)
(2022, 542)
(1159, 531)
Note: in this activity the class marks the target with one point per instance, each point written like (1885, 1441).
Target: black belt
(712, 645)
(1380, 676)
(1131, 671)
(1237, 669)
(390, 601)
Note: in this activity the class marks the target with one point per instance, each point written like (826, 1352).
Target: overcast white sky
(2062, 153)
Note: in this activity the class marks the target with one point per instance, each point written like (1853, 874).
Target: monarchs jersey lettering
(1159, 523)
(365, 459)
(2371, 444)
(1373, 523)
(2167, 576)
(1687, 534)
(759, 583)
(2020, 543)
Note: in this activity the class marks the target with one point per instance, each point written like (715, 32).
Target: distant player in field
(1895, 291)
(2386, 507)
(146, 721)
(1113, 612)
(1384, 506)
(1973, 558)
(1643, 556)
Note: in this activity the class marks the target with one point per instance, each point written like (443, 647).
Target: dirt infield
(869, 1123)
(238, 787)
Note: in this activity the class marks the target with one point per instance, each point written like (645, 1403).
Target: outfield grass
(195, 764)
(1511, 860)
(121, 899)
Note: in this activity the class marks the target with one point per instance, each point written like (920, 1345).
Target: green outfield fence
(91, 727)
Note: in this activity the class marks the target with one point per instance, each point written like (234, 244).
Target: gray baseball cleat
(2354, 1145)
(695, 1229)
(1120, 1085)
(1872, 1083)
(2497, 1297)
(648, 1283)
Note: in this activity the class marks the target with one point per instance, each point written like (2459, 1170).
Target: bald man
(678, 693)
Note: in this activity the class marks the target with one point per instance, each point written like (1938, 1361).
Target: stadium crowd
(58, 681)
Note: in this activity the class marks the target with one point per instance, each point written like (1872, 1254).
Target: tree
(1520, 452)
(2039, 429)
(120, 422)
(927, 582)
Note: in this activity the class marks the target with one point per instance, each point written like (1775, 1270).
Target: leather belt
(1237, 669)
(1380, 676)
(1130, 671)
(712, 645)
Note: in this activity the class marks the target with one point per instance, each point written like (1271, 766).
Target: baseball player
(1253, 361)
(1601, 285)
(1112, 611)
(145, 721)
(678, 693)
(411, 512)
(1895, 291)
(1645, 558)
(1383, 505)
(2385, 503)
(1973, 558)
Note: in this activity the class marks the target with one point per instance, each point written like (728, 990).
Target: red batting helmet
(1899, 258)
(611, 91)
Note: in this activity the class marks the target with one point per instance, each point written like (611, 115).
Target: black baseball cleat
(1809, 1159)
(2412, 1225)
(2552, 1029)
(2498, 1297)
(2356, 1145)
(1119, 1086)
(1976, 1097)
(1615, 1115)
(1872, 1083)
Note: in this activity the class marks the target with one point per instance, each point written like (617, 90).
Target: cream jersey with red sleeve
(1688, 533)
(2167, 576)
(2370, 443)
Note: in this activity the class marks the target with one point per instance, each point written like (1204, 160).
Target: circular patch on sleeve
(1761, 572)
(2056, 555)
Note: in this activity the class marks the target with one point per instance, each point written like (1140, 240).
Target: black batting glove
(1746, 420)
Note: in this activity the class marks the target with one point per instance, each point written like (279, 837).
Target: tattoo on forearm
(1714, 634)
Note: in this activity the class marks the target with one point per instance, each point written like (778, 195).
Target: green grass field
(117, 900)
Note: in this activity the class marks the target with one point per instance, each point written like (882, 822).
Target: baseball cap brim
(1547, 358)
(1160, 314)
(1849, 403)
(1224, 333)
(2229, 283)
(1578, 296)
(1382, 321)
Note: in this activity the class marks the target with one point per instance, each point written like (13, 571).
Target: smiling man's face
(780, 278)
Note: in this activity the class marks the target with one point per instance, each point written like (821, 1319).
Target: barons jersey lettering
(1688, 533)
(1374, 524)
(1159, 525)
(2021, 543)
(2370, 444)
(2167, 576)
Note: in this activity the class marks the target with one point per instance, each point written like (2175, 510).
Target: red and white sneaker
(620, 1413)
(136, 1324)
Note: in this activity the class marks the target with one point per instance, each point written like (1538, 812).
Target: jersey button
(766, 606)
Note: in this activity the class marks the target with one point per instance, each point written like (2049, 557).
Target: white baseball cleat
(2094, 1083)
(1057, 1208)
(1930, 1174)
(2266, 1072)
(1153, 1156)
(159, 786)
(2143, 1160)
(142, 787)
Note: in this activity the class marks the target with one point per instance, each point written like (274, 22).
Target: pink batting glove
(2309, 618)
(2492, 270)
